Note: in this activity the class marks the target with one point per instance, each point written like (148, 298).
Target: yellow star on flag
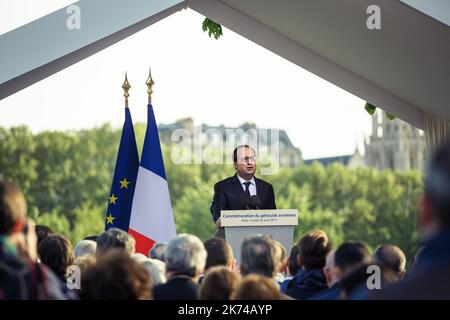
(113, 199)
(109, 219)
(124, 183)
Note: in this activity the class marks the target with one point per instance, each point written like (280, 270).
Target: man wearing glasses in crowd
(234, 192)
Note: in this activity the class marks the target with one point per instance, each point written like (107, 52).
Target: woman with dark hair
(56, 252)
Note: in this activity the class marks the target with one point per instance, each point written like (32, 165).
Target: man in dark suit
(233, 192)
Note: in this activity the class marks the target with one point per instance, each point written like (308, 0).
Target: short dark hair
(437, 184)
(390, 256)
(257, 256)
(293, 265)
(239, 147)
(219, 253)
(350, 255)
(313, 249)
(42, 232)
(12, 207)
(56, 252)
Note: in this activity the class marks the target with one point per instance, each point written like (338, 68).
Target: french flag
(151, 214)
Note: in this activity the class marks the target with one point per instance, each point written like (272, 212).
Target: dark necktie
(247, 190)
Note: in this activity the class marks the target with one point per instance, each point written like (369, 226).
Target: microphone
(255, 202)
(245, 202)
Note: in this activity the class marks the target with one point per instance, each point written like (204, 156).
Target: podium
(240, 224)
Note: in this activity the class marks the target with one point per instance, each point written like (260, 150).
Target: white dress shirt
(251, 187)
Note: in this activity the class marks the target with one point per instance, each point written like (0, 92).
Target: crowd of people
(37, 264)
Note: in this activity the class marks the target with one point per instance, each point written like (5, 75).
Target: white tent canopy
(404, 68)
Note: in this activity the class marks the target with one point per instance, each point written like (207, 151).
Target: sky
(438, 9)
(227, 81)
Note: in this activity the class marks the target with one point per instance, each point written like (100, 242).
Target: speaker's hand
(218, 224)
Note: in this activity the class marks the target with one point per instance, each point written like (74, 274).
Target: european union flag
(124, 181)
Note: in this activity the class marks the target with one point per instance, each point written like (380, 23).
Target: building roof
(329, 160)
(264, 135)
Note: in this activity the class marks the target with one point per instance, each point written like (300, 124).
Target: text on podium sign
(240, 218)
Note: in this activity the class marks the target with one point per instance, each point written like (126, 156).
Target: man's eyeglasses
(247, 160)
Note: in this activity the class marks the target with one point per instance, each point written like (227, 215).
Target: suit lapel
(237, 186)
(259, 191)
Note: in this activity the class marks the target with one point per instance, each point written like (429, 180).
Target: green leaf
(212, 27)
(370, 108)
(390, 116)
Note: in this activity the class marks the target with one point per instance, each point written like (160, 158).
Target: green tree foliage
(213, 28)
(192, 212)
(66, 177)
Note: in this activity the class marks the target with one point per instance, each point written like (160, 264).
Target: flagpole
(126, 170)
(126, 87)
(149, 84)
(151, 218)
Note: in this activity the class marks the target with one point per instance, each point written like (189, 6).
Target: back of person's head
(313, 249)
(13, 208)
(56, 252)
(85, 247)
(219, 284)
(115, 238)
(185, 255)
(157, 270)
(392, 262)
(42, 232)
(351, 255)
(437, 186)
(158, 251)
(85, 262)
(219, 253)
(116, 276)
(257, 287)
(293, 264)
(280, 256)
(258, 256)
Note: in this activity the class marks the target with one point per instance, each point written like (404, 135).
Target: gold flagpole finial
(126, 87)
(149, 84)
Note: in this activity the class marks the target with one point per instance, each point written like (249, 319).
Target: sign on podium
(277, 224)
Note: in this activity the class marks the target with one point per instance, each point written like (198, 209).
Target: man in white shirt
(233, 193)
